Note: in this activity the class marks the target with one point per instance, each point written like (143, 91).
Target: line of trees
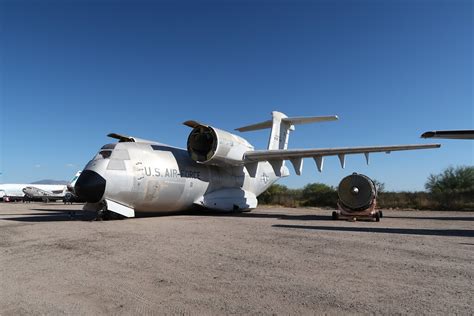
(452, 189)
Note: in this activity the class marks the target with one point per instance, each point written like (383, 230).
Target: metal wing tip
(428, 134)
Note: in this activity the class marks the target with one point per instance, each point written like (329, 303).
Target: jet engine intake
(209, 145)
(356, 192)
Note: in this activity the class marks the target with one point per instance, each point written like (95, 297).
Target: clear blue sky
(73, 71)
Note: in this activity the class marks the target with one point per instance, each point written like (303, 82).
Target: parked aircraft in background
(454, 134)
(50, 192)
(14, 192)
(219, 170)
(34, 193)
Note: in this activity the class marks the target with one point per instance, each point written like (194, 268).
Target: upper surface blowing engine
(209, 145)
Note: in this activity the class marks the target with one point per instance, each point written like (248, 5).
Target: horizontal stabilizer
(289, 121)
(310, 119)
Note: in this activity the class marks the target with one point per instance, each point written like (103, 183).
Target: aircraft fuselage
(158, 178)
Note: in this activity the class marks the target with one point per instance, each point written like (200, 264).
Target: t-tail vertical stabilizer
(281, 125)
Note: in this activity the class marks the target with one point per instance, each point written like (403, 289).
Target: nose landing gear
(104, 214)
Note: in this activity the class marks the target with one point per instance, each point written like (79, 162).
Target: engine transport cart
(357, 199)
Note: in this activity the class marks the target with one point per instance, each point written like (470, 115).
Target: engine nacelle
(209, 145)
(357, 192)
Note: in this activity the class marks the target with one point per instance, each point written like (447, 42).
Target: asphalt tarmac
(270, 261)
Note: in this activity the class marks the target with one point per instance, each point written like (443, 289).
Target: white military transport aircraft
(219, 170)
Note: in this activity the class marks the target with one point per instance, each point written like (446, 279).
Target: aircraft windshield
(104, 154)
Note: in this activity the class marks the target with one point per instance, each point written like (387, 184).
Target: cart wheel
(335, 216)
(377, 217)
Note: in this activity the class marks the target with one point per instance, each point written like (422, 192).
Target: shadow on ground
(402, 231)
(441, 218)
(52, 215)
(263, 215)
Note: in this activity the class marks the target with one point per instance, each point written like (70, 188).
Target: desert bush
(319, 194)
(453, 188)
(281, 195)
(406, 200)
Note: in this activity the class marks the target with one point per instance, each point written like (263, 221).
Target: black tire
(335, 216)
(107, 215)
(377, 217)
(381, 214)
(100, 214)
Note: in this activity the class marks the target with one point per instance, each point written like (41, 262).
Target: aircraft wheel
(107, 215)
(335, 216)
(377, 217)
(114, 216)
(101, 213)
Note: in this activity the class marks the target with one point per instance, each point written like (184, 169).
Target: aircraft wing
(276, 157)
(457, 134)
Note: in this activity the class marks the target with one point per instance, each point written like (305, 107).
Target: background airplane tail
(281, 125)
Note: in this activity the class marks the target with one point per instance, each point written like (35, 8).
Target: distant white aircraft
(219, 170)
(43, 191)
(454, 134)
(34, 192)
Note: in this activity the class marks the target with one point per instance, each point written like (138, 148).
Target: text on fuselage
(170, 173)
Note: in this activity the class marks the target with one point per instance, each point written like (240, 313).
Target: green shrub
(453, 188)
(319, 194)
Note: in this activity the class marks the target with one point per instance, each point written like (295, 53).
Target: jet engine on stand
(357, 198)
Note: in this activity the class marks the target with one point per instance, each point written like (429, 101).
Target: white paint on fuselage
(165, 179)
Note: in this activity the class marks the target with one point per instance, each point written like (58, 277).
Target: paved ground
(273, 260)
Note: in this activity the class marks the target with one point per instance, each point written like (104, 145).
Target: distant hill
(48, 181)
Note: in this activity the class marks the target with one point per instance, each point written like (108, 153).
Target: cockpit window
(109, 146)
(105, 154)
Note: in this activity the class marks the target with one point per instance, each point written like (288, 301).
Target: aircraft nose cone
(90, 186)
